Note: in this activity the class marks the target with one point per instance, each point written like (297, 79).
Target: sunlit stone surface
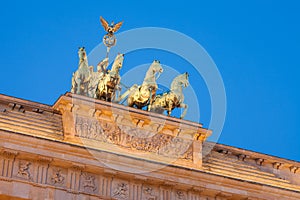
(83, 148)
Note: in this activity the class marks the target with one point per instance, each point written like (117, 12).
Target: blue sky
(255, 45)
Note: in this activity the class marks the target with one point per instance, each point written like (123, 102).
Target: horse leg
(117, 94)
(106, 93)
(73, 84)
(169, 112)
(85, 89)
(130, 101)
(153, 92)
(78, 81)
(170, 106)
(185, 106)
(98, 92)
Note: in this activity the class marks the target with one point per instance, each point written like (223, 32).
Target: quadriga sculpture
(172, 99)
(82, 76)
(109, 83)
(143, 95)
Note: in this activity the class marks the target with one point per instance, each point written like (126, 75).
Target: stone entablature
(131, 131)
(262, 168)
(258, 158)
(47, 158)
(60, 171)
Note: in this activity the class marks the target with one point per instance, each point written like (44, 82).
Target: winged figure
(110, 28)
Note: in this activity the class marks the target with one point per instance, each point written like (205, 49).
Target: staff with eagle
(109, 39)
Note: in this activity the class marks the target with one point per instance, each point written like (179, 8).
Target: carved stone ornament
(92, 129)
(9, 153)
(57, 177)
(137, 132)
(121, 191)
(180, 195)
(148, 193)
(176, 148)
(131, 137)
(23, 170)
(188, 154)
(88, 182)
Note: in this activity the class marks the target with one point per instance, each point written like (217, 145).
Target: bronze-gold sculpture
(143, 95)
(109, 39)
(110, 28)
(172, 99)
(82, 76)
(105, 84)
(109, 82)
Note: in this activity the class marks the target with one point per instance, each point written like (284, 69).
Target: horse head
(156, 67)
(81, 54)
(180, 80)
(185, 81)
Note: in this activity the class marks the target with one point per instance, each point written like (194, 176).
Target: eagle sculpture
(110, 28)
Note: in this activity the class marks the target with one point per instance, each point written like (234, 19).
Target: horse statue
(109, 83)
(144, 94)
(82, 76)
(172, 99)
(96, 77)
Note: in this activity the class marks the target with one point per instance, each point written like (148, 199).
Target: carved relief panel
(133, 138)
(57, 176)
(180, 195)
(89, 183)
(150, 192)
(24, 170)
(120, 189)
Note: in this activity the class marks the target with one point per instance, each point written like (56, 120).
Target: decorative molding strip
(9, 153)
(44, 160)
(78, 167)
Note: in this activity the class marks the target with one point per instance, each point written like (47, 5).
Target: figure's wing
(104, 23)
(117, 26)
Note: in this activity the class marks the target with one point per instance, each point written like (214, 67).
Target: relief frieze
(132, 137)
